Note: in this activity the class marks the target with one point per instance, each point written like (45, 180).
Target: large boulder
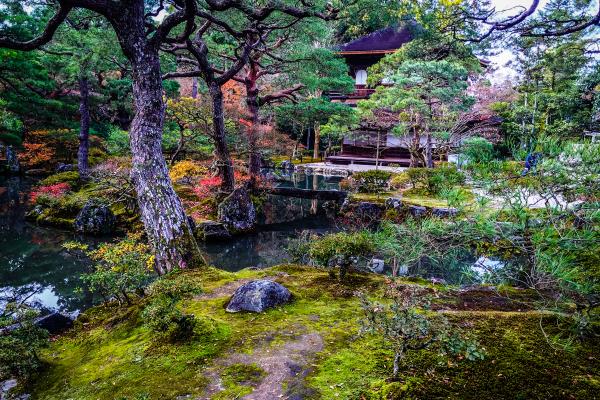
(237, 212)
(95, 218)
(211, 231)
(257, 296)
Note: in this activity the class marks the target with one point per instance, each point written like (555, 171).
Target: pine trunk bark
(225, 164)
(255, 159)
(317, 141)
(84, 127)
(166, 224)
(429, 151)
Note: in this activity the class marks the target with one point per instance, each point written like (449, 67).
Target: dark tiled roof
(390, 38)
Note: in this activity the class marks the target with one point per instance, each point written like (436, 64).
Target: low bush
(163, 317)
(478, 150)
(120, 268)
(434, 180)
(372, 180)
(340, 250)
(19, 346)
(49, 193)
(186, 170)
(400, 181)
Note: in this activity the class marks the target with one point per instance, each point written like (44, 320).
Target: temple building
(372, 142)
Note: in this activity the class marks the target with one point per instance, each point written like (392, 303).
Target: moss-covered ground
(111, 355)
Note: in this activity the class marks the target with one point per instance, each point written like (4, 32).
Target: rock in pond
(55, 322)
(211, 230)
(237, 212)
(444, 212)
(417, 211)
(257, 296)
(95, 218)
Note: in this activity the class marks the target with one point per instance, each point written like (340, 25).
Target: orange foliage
(36, 154)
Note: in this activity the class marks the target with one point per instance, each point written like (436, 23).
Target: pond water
(33, 264)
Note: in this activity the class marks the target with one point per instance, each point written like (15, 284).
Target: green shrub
(400, 181)
(19, 347)
(163, 317)
(372, 180)
(340, 249)
(119, 269)
(70, 177)
(434, 180)
(478, 150)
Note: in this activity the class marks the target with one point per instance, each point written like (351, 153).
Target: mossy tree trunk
(162, 213)
(225, 164)
(84, 126)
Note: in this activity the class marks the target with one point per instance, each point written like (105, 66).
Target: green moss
(70, 177)
(242, 374)
(110, 354)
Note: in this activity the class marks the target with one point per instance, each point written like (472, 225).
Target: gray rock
(35, 212)
(417, 211)
(36, 172)
(369, 211)
(5, 388)
(376, 265)
(95, 218)
(285, 164)
(393, 203)
(257, 296)
(55, 322)
(444, 212)
(237, 212)
(211, 230)
(62, 167)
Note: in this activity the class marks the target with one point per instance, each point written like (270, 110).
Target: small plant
(372, 180)
(434, 180)
(184, 171)
(400, 181)
(20, 341)
(119, 268)
(405, 325)
(163, 317)
(340, 250)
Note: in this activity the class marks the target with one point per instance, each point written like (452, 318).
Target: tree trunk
(255, 159)
(397, 358)
(429, 151)
(317, 141)
(84, 127)
(225, 164)
(166, 224)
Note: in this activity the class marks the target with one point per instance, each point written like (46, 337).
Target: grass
(111, 355)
